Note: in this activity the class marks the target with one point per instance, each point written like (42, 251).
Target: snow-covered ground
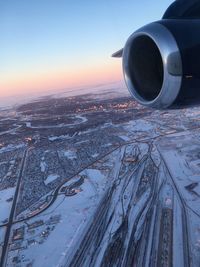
(11, 131)
(180, 152)
(139, 202)
(50, 178)
(2, 235)
(11, 147)
(61, 137)
(78, 120)
(140, 129)
(6, 197)
(76, 214)
(43, 166)
(70, 154)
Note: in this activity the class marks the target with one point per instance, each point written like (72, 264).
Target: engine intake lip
(170, 69)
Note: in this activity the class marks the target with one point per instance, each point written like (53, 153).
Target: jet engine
(161, 61)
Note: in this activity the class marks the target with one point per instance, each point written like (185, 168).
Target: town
(95, 172)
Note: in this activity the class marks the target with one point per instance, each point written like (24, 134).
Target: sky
(55, 44)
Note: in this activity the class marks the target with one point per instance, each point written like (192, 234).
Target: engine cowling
(161, 61)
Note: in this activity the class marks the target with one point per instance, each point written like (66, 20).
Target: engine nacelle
(161, 61)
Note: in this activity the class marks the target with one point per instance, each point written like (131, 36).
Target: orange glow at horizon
(49, 80)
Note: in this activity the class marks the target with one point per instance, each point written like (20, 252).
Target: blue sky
(51, 38)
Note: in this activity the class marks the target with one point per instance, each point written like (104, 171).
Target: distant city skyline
(48, 44)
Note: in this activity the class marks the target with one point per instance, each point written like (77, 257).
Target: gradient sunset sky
(55, 44)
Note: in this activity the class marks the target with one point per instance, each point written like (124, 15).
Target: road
(146, 222)
(12, 212)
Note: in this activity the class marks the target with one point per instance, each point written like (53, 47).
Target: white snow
(50, 178)
(61, 137)
(82, 142)
(2, 234)
(124, 137)
(5, 206)
(70, 154)
(140, 125)
(83, 119)
(43, 166)
(180, 167)
(28, 124)
(11, 131)
(80, 120)
(95, 175)
(95, 155)
(107, 145)
(11, 148)
(76, 213)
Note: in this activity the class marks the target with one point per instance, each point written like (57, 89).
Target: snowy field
(6, 197)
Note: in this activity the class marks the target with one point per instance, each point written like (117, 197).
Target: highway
(12, 212)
